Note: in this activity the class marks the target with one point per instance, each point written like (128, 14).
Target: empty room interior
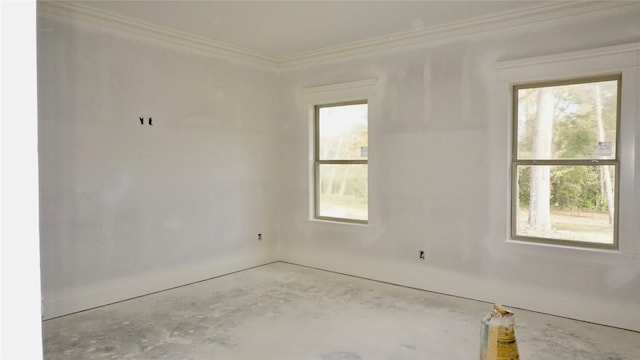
(338, 180)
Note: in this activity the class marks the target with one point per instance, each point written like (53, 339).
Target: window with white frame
(341, 162)
(565, 161)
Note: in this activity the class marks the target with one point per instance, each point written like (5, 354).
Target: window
(341, 162)
(565, 166)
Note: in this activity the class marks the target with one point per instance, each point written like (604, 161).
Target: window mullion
(565, 162)
(342, 162)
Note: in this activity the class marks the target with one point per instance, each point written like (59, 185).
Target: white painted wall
(439, 180)
(127, 209)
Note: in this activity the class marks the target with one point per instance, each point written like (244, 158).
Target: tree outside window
(565, 161)
(341, 162)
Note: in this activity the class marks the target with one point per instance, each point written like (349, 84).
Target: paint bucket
(497, 335)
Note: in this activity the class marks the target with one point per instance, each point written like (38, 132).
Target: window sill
(569, 253)
(339, 226)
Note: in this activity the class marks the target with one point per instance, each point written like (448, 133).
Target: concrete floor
(284, 311)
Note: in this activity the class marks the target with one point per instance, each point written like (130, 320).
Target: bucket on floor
(497, 335)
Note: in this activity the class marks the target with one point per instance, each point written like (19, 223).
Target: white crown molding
(130, 26)
(569, 56)
(573, 64)
(537, 13)
(339, 87)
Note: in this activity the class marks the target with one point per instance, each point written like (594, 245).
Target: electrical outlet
(260, 236)
(422, 254)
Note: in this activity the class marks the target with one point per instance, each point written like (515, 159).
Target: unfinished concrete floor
(284, 311)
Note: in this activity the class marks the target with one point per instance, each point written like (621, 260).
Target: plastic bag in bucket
(497, 335)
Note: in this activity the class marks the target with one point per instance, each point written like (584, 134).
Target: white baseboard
(620, 314)
(67, 301)
(609, 311)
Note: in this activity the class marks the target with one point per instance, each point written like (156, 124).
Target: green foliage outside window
(572, 188)
(565, 160)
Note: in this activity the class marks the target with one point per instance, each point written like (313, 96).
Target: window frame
(317, 162)
(623, 58)
(516, 162)
(310, 95)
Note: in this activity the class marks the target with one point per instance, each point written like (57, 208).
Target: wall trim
(507, 19)
(67, 301)
(130, 26)
(478, 287)
(338, 87)
(529, 15)
(571, 56)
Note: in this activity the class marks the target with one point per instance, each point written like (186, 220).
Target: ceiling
(281, 30)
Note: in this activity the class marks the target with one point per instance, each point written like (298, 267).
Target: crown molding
(518, 17)
(574, 64)
(133, 26)
(570, 56)
(536, 13)
(345, 86)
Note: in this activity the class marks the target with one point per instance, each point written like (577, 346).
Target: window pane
(343, 132)
(571, 202)
(576, 121)
(343, 191)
